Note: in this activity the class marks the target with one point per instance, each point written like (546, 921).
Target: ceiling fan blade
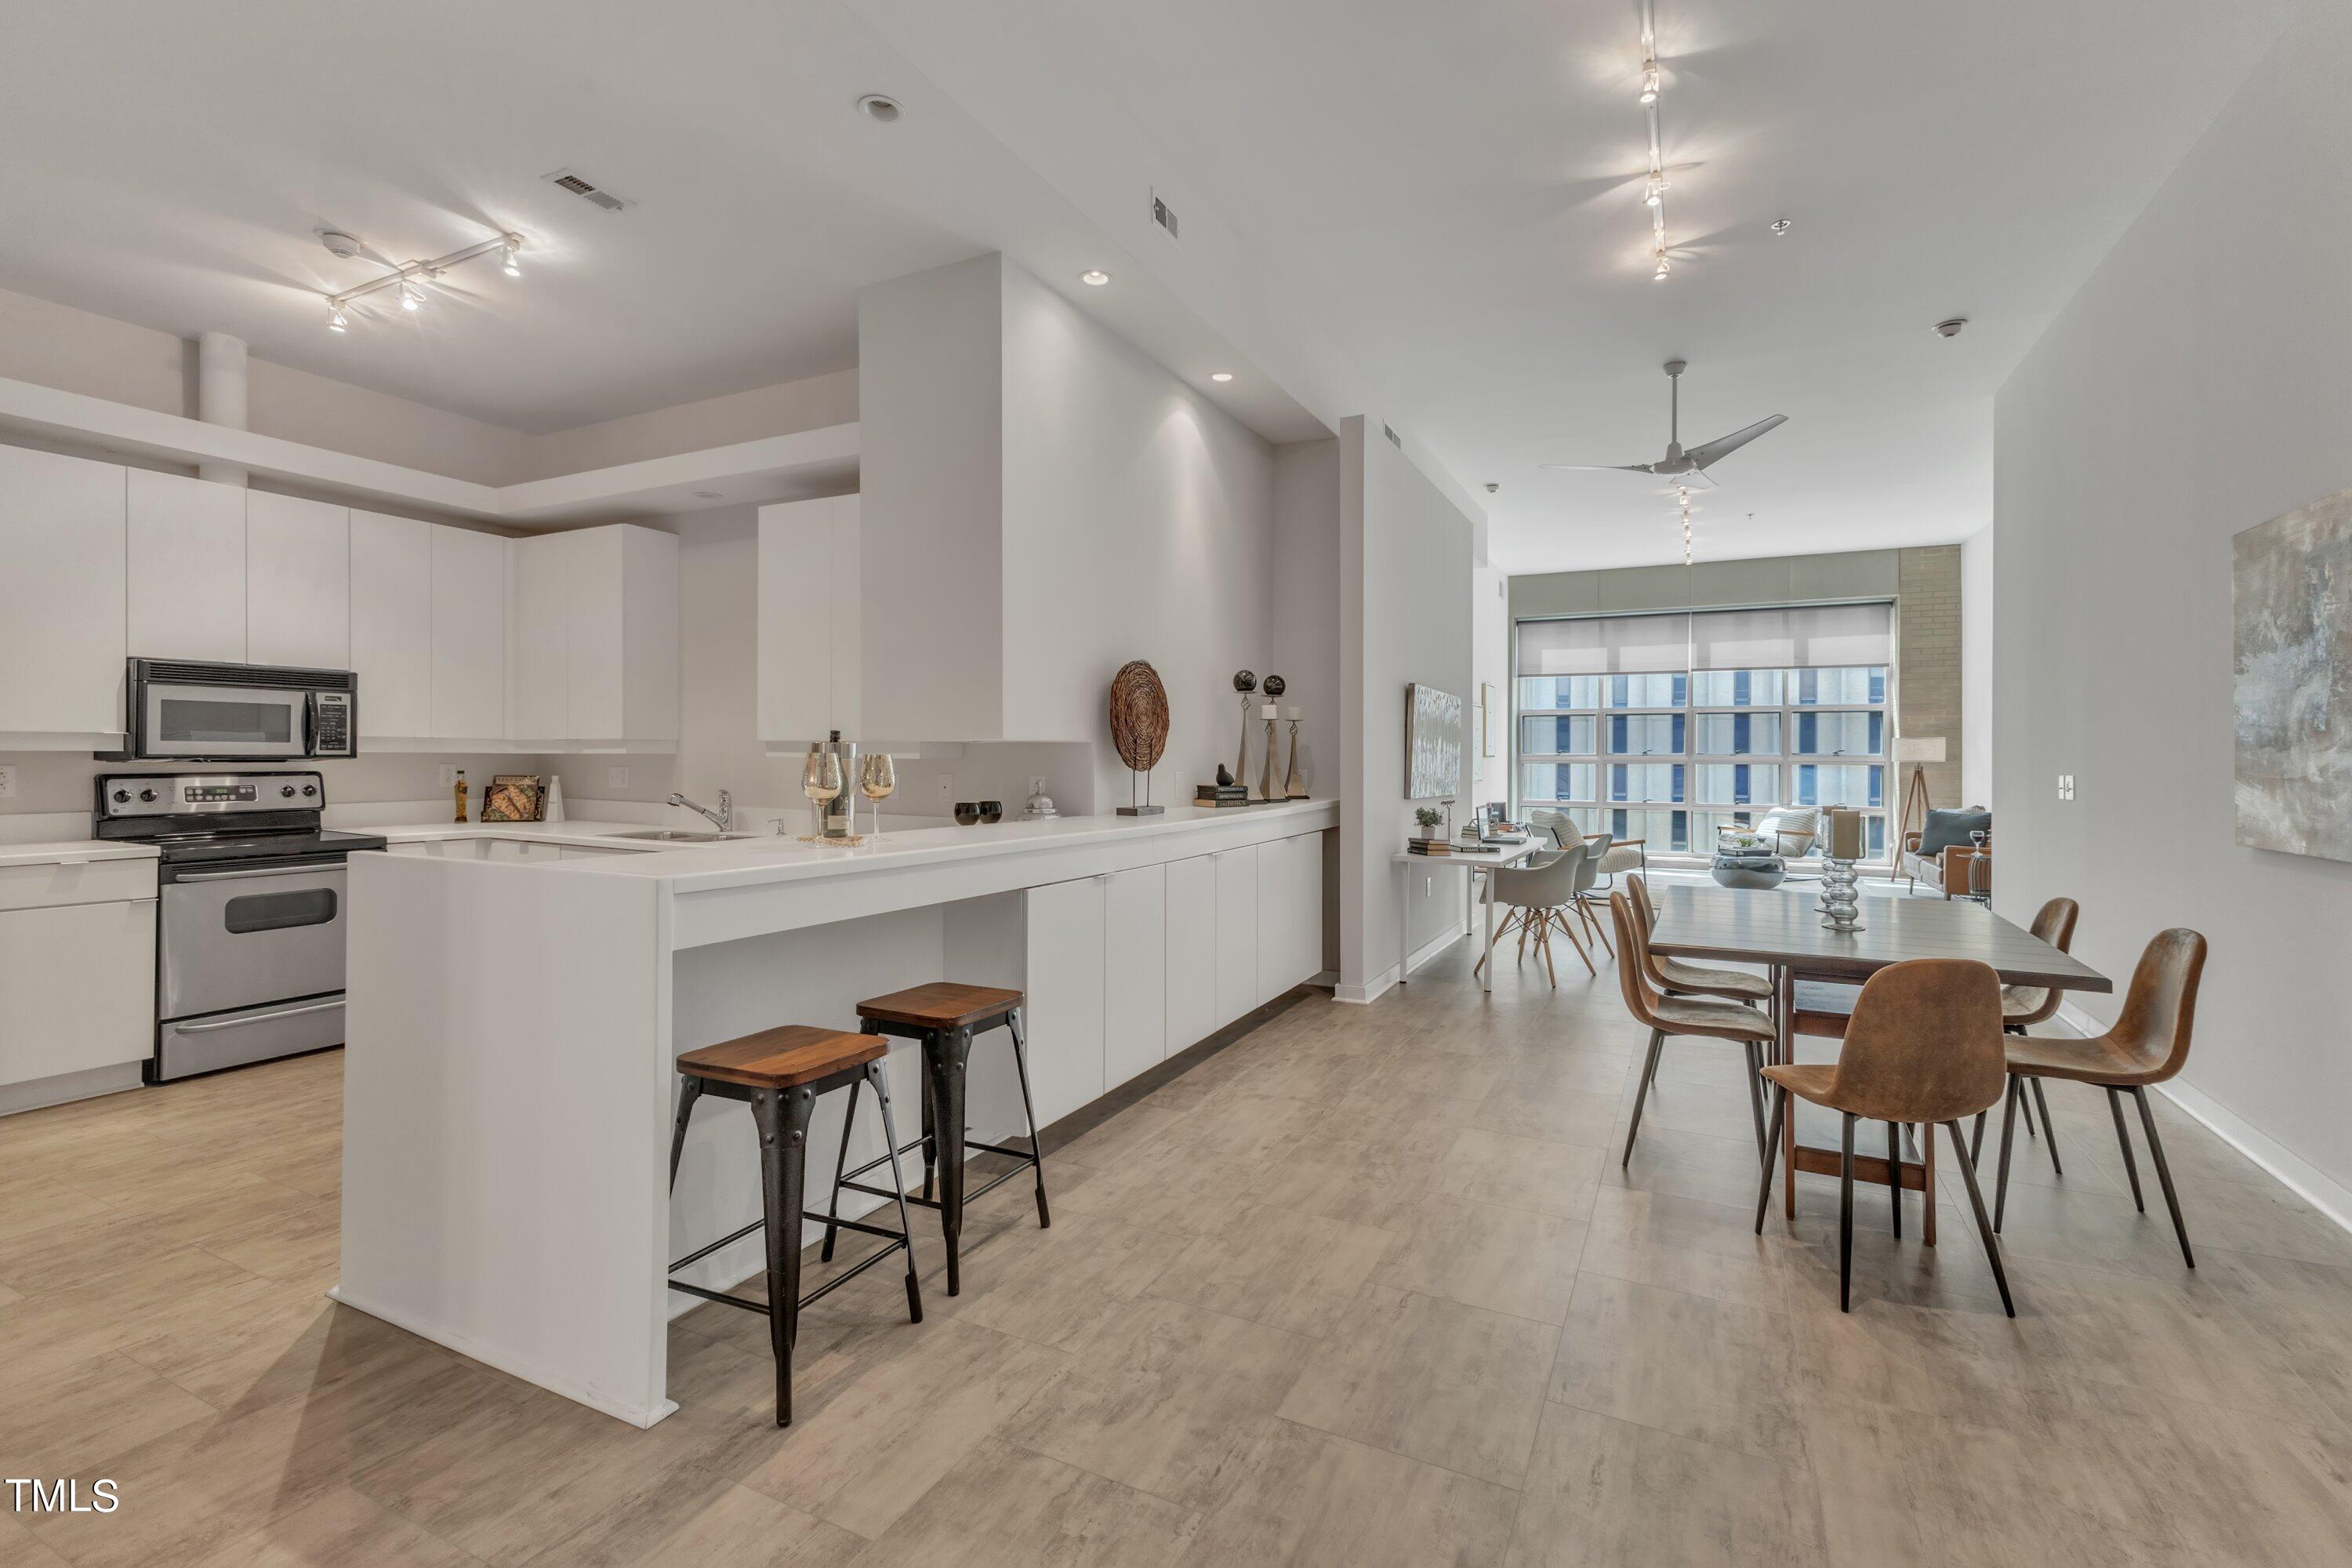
(1725, 445)
(1599, 468)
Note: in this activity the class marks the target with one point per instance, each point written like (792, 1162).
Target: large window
(1668, 727)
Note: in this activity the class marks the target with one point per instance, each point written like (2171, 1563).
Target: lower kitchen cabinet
(1190, 977)
(1237, 931)
(1289, 912)
(1135, 971)
(77, 987)
(1064, 1007)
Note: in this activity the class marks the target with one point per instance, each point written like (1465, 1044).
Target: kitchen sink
(675, 836)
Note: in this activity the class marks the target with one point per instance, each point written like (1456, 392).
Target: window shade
(1799, 636)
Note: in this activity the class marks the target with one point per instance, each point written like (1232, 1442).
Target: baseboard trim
(2291, 1170)
(40, 1093)
(518, 1366)
(1372, 989)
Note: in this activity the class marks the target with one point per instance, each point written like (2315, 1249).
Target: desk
(1782, 930)
(1476, 863)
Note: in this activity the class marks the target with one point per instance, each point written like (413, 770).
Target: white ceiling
(172, 165)
(1457, 190)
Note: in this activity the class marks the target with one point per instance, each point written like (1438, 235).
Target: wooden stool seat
(783, 1058)
(941, 1004)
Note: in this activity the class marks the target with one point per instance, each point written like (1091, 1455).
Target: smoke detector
(1949, 327)
(340, 244)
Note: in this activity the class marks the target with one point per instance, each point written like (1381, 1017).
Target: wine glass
(820, 782)
(878, 780)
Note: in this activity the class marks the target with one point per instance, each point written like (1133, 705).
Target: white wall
(2195, 386)
(1976, 631)
(1404, 573)
(1306, 607)
(1490, 664)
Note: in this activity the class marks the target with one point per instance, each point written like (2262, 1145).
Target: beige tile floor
(1368, 1287)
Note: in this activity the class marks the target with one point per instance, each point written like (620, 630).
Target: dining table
(1784, 930)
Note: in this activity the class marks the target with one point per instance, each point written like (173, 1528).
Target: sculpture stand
(1134, 807)
(1265, 779)
(1241, 756)
(1294, 787)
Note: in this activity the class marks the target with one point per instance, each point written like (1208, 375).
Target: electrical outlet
(947, 786)
(447, 776)
(617, 778)
(1036, 783)
(7, 782)
(2065, 786)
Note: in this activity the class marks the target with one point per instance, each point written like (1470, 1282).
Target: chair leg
(1543, 944)
(879, 1073)
(1845, 1215)
(1976, 1139)
(1649, 1071)
(1755, 1097)
(1500, 933)
(1592, 920)
(833, 1204)
(1568, 929)
(1029, 1110)
(689, 1090)
(2049, 1129)
(1771, 1148)
(1976, 1200)
(2163, 1174)
(782, 1119)
(2008, 1135)
(2131, 1166)
(1894, 1172)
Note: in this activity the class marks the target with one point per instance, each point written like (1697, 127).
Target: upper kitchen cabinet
(809, 615)
(186, 567)
(298, 582)
(391, 625)
(63, 571)
(468, 695)
(592, 638)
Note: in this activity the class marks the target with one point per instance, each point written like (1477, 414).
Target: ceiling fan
(1684, 469)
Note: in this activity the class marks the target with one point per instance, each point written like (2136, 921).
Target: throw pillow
(1947, 829)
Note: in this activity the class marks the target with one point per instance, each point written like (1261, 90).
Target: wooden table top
(1782, 926)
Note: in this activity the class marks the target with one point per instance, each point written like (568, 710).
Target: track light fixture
(1654, 191)
(408, 280)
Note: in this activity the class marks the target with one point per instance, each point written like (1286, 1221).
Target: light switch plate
(2065, 786)
(947, 786)
(617, 778)
(7, 782)
(448, 775)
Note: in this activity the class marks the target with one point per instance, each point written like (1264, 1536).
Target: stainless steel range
(249, 930)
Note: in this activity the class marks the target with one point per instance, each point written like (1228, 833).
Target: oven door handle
(264, 871)
(256, 1017)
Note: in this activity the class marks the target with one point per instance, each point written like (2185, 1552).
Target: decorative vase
(1841, 904)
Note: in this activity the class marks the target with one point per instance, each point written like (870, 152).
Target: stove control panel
(188, 794)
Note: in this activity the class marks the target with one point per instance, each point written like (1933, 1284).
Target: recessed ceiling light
(1095, 276)
(876, 106)
(1951, 326)
(706, 495)
(1220, 375)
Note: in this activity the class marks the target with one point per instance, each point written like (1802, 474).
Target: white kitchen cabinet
(392, 623)
(809, 620)
(1290, 913)
(77, 986)
(186, 567)
(1237, 932)
(1135, 971)
(592, 637)
(469, 636)
(1064, 1011)
(298, 582)
(63, 569)
(1192, 971)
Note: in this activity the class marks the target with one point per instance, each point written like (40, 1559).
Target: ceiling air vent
(1394, 439)
(571, 182)
(1163, 214)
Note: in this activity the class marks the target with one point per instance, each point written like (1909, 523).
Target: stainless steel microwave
(182, 710)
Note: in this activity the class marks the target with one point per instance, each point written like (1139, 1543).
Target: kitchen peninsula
(514, 1026)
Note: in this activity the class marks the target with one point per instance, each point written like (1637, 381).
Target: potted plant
(1429, 817)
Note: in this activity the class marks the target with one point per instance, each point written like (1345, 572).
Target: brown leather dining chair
(2148, 1044)
(1697, 1015)
(2021, 1005)
(1677, 978)
(1922, 1046)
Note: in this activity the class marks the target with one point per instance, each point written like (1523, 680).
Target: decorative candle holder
(1294, 787)
(1245, 683)
(1841, 902)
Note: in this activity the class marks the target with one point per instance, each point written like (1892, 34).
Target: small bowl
(967, 812)
(992, 811)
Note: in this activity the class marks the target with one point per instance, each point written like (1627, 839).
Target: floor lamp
(1918, 752)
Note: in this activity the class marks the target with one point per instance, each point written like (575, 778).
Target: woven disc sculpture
(1139, 715)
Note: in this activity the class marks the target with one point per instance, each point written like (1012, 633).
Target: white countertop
(72, 851)
(769, 857)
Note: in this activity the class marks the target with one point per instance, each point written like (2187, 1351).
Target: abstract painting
(1433, 744)
(2291, 584)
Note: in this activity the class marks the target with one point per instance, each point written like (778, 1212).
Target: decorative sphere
(1274, 686)
(1245, 681)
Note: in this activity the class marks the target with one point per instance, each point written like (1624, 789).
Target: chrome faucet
(722, 819)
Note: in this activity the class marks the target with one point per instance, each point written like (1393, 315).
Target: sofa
(1939, 852)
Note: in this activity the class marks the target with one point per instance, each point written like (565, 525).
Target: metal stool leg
(840, 1165)
(782, 1120)
(876, 1073)
(945, 1052)
(689, 1090)
(1029, 1110)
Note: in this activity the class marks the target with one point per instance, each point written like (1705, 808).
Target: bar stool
(781, 1072)
(945, 1017)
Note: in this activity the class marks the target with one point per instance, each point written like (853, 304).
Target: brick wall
(1928, 666)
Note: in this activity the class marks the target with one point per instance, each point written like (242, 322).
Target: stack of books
(1428, 847)
(1221, 794)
